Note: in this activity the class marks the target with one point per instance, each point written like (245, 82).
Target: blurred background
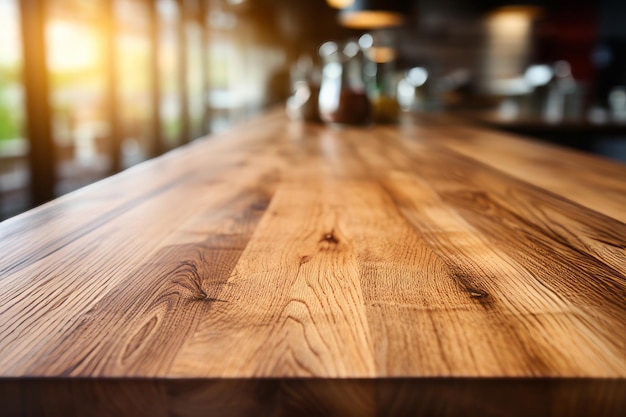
(89, 88)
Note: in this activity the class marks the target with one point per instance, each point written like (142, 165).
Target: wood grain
(430, 268)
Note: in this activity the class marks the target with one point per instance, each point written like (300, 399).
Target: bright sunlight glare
(71, 47)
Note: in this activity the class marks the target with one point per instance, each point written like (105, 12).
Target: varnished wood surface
(431, 268)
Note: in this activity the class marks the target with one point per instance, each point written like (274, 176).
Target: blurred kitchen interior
(89, 88)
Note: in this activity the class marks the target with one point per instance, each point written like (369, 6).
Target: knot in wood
(330, 238)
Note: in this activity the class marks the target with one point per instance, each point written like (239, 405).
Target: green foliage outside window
(10, 111)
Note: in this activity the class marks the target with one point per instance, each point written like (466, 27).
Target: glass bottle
(379, 74)
(302, 105)
(343, 99)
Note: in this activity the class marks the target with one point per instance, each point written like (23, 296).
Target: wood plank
(594, 183)
(313, 322)
(478, 267)
(102, 272)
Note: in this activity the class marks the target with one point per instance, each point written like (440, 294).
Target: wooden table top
(281, 268)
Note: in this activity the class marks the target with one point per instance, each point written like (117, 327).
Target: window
(14, 174)
(106, 84)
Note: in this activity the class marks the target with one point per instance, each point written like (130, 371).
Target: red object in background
(569, 32)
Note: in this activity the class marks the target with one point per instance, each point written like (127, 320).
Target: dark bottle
(381, 89)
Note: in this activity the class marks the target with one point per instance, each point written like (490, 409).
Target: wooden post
(37, 100)
(204, 9)
(183, 68)
(157, 147)
(112, 88)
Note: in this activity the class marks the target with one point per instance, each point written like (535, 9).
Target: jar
(343, 99)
